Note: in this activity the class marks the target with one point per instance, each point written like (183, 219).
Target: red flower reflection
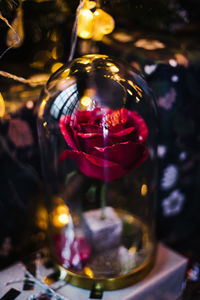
(106, 144)
(71, 253)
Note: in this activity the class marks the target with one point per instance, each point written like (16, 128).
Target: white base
(163, 282)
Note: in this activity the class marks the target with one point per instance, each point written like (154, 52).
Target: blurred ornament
(15, 34)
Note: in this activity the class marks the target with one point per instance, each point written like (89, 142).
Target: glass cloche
(97, 133)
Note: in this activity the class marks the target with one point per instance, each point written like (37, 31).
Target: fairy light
(86, 101)
(85, 24)
(60, 215)
(93, 24)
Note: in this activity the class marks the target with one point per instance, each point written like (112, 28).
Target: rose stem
(103, 201)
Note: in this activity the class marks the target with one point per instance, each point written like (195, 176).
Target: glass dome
(97, 132)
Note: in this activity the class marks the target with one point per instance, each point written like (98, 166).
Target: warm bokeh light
(2, 106)
(41, 108)
(90, 4)
(29, 104)
(149, 44)
(88, 272)
(173, 62)
(113, 68)
(144, 190)
(85, 24)
(103, 24)
(60, 215)
(129, 91)
(56, 66)
(86, 101)
(42, 218)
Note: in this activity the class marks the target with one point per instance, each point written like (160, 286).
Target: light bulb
(103, 23)
(90, 4)
(85, 24)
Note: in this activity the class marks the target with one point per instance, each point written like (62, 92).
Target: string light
(15, 34)
(85, 24)
(94, 24)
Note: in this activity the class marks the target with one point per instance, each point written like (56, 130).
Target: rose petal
(95, 167)
(90, 128)
(128, 134)
(128, 154)
(88, 141)
(136, 121)
(67, 131)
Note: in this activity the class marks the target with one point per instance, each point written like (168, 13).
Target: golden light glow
(136, 88)
(132, 250)
(63, 219)
(54, 53)
(2, 106)
(86, 101)
(85, 24)
(56, 66)
(149, 44)
(88, 272)
(60, 215)
(41, 108)
(42, 218)
(129, 91)
(182, 60)
(54, 36)
(94, 25)
(90, 4)
(83, 61)
(29, 104)
(103, 24)
(114, 69)
(123, 37)
(144, 190)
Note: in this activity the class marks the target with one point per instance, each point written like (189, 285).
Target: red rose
(106, 144)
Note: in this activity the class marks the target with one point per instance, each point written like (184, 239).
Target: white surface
(163, 282)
